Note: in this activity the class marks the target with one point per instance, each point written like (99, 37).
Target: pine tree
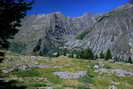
(71, 55)
(116, 59)
(130, 60)
(87, 54)
(102, 55)
(11, 13)
(64, 52)
(96, 57)
(108, 55)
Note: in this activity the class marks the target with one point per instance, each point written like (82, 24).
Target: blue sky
(74, 8)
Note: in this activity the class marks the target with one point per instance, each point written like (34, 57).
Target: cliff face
(44, 34)
(113, 30)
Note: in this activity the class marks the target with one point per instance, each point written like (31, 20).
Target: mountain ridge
(110, 30)
(54, 28)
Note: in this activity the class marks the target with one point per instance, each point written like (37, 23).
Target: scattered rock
(48, 88)
(44, 88)
(58, 67)
(41, 66)
(66, 75)
(115, 83)
(43, 79)
(96, 66)
(5, 71)
(118, 72)
(112, 87)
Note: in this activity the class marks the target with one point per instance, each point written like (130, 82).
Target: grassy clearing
(41, 77)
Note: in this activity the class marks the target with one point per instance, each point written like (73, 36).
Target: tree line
(89, 55)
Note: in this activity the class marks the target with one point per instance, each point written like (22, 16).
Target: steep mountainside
(45, 33)
(113, 30)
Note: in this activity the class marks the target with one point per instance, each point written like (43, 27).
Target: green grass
(93, 80)
(87, 79)
(52, 78)
(83, 88)
(27, 73)
(38, 84)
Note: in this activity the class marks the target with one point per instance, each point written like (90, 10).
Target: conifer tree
(11, 13)
(102, 55)
(108, 55)
(87, 54)
(96, 57)
(130, 60)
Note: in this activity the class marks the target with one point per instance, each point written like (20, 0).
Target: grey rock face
(113, 30)
(45, 33)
